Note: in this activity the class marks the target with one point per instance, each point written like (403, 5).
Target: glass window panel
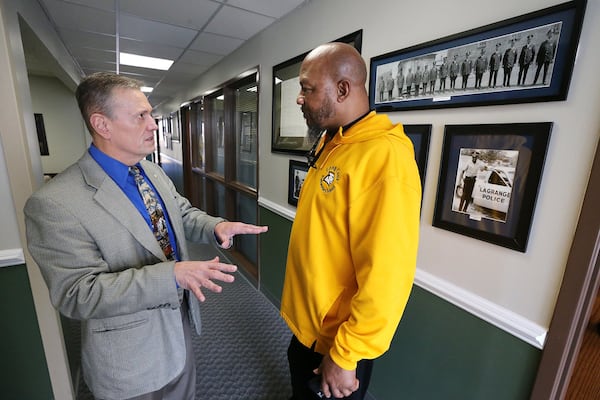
(220, 209)
(246, 134)
(247, 211)
(217, 130)
(197, 123)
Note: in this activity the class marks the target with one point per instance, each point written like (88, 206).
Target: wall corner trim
(276, 208)
(496, 315)
(11, 257)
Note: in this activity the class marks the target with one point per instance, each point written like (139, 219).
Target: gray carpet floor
(241, 353)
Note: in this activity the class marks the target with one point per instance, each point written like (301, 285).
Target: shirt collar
(114, 168)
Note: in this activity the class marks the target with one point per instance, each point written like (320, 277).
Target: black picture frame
(297, 174)
(41, 134)
(420, 135)
(290, 134)
(560, 24)
(501, 208)
(175, 126)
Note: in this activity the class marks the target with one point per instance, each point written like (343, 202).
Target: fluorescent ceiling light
(146, 89)
(145, 62)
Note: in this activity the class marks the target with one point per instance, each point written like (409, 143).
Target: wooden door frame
(575, 300)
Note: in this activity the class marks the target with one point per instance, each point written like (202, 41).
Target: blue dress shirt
(119, 173)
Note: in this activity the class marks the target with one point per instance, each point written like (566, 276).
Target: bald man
(353, 246)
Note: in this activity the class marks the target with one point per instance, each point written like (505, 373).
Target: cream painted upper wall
(65, 130)
(525, 283)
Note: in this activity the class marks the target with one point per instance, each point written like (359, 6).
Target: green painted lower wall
(23, 371)
(273, 253)
(439, 351)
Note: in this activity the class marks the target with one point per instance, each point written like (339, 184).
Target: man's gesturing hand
(194, 275)
(225, 231)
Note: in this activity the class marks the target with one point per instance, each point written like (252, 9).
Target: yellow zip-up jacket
(353, 246)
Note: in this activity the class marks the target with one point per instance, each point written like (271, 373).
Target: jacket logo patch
(329, 180)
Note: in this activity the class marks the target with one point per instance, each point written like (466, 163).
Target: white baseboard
(496, 315)
(276, 208)
(11, 257)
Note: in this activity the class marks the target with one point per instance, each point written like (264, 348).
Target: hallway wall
(65, 130)
(485, 279)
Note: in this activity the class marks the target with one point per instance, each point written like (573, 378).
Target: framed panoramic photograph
(297, 174)
(489, 179)
(524, 59)
(420, 136)
(290, 134)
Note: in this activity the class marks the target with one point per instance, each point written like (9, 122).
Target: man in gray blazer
(91, 235)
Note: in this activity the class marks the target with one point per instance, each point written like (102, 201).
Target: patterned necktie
(157, 216)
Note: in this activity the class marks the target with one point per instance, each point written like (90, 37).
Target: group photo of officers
(515, 61)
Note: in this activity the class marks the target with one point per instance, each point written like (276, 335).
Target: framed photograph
(524, 59)
(175, 127)
(41, 134)
(290, 134)
(489, 179)
(298, 171)
(420, 136)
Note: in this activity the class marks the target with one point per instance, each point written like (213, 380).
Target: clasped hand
(336, 381)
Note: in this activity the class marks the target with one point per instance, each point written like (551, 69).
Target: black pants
(303, 361)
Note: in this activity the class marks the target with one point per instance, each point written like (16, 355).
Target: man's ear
(101, 125)
(343, 90)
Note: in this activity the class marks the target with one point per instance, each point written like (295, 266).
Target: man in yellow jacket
(353, 246)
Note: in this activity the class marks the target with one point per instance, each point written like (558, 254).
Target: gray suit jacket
(103, 266)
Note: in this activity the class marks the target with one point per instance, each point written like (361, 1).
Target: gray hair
(94, 93)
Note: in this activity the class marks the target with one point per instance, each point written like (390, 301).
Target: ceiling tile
(108, 5)
(237, 23)
(184, 13)
(96, 66)
(155, 32)
(77, 17)
(185, 71)
(74, 39)
(199, 58)
(215, 44)
(150, 49)
(275, 9)
(150, 74)
(88, 55)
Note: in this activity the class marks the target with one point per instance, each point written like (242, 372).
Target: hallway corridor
(241, 354)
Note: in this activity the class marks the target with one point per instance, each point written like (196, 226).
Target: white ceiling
(195, 33)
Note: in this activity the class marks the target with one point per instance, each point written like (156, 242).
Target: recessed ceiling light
(146, 89)
(145, 62)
